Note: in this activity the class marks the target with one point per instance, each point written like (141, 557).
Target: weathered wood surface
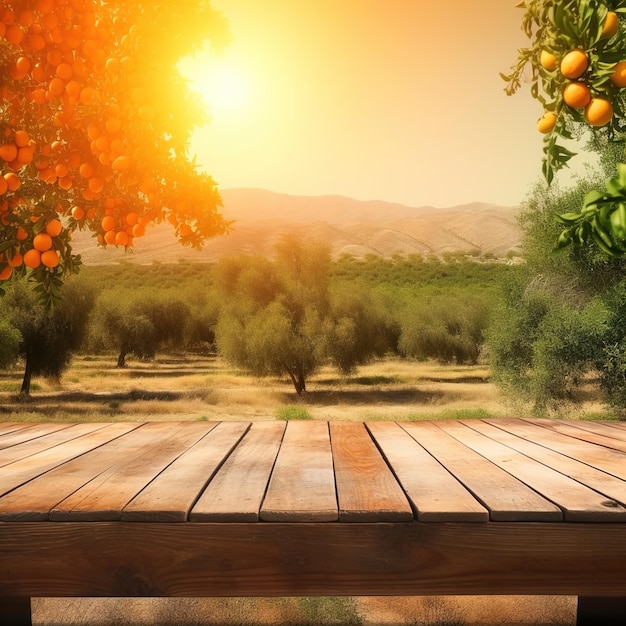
(497, 506)
(511, 470)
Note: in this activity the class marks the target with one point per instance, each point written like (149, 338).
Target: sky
(394, 100)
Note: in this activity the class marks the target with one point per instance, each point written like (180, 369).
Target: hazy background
(396, 100)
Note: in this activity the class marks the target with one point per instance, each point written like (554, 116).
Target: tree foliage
(48, 338)
(139, 324)
(95, 120)
(280, 318)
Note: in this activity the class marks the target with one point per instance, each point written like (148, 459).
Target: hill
(350, 226)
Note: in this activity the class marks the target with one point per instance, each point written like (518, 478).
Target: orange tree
(577, 61)
(95, 121)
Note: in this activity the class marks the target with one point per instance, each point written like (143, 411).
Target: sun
(223, 84)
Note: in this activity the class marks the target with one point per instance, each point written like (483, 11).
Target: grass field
(191, 387)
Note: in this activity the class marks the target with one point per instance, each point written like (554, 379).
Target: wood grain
(104, 497)
(367, 491)
(579, 503)
(236, 492)
(507, 498)
(302, 484)
(435, 494)
(170, 496)
(286, 559)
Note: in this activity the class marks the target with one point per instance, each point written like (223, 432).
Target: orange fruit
(21, 233)
(611, 24)
(25, 155)
(108, 223)
(546, 122)
(8, 152)
(96, 184)
(121, 164)
(121, 238)
(86, 170)
(576, 95)
(78, 212)
(50, 258)
(139, 230)
(32, 258)
(13, 181)
(598, 112)
(5, 274)
(54, 227)
(42, 242)
(618, 77)
(574, 64)
(4, 187)
(109, 237)
(16, 260)
(132, 218)
(21, 138)
(548, 60)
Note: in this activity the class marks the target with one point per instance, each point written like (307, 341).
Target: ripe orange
(546, 122)
(21, 233)
(611, 24)
(108, 223)
(5, 274)
(32, 258)
(25, 155)
(548, 60)
(618, 77)
(139, 230)
(21, 138)
(78, 212)
(598, 112)
(42, 242)
(121, 238)
(121, 164)
(109, 237)
(16, 260)
(574, 64)
(50, 258)
(54, 227)
(13, 181)
(4, 187)
(132, 218)
(8, 152)
(576, 95)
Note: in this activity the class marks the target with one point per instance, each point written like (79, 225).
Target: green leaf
(569, 218)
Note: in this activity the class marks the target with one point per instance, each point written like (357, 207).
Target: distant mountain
(350, 226)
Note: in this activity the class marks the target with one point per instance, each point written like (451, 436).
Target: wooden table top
(498, 470)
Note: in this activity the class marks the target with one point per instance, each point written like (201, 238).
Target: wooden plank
(302, 485)
(579, 503)
(104, 498)
(584, 434)
(36, 499)
(605, 459)
(236, 492)
(507, 498)
(87, 437)
(43, 559)
(367, 491)
(170, 496)
(613, 488)
(10, 427)
(53, 437)
(31, 431)
(437, 496)
(602, 428)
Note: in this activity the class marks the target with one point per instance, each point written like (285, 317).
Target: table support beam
(15, 611)
(605, 611)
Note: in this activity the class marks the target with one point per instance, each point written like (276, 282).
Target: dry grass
(207, 388)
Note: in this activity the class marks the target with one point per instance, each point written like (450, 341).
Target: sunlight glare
(223, 85)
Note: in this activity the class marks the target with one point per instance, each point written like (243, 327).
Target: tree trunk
(298, 382)
(121, 359)
(28, 374)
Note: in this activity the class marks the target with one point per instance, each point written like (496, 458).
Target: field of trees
(297, 336)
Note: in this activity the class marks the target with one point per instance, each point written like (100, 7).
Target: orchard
(95, 120)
